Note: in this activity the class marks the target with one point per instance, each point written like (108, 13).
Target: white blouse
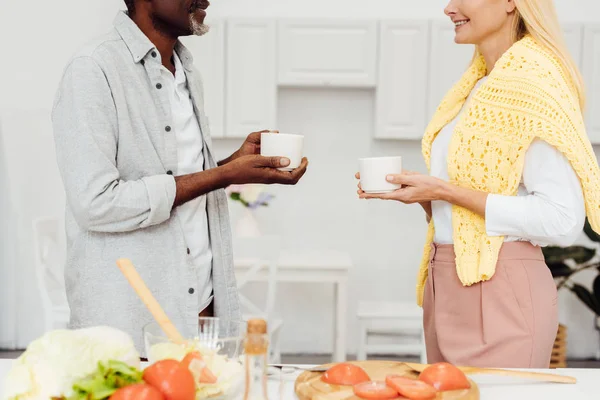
(549, 208)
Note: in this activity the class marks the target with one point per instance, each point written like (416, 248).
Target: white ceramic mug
(285, 145)
(374, 171)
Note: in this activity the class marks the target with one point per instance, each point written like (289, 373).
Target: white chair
(401, 321)
(261, 255)
(49, 263)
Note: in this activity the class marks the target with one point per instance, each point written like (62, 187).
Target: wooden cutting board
(309, 385)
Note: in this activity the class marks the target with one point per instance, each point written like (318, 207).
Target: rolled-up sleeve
(85, 127)
(553, 211)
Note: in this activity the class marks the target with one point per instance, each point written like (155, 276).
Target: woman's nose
(450, 9)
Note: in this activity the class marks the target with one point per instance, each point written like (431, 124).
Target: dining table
(281, 384)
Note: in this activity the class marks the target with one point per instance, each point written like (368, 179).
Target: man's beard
(198, 29)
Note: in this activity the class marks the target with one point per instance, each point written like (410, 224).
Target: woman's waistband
(520, 250)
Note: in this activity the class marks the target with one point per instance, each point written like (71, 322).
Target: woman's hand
(419, 188)
(416, 188)
(425, 204)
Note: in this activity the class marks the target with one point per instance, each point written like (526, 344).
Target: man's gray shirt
(116, 153)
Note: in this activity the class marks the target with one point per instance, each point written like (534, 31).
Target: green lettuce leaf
(106, 380)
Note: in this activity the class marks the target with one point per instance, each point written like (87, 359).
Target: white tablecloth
(491, 388)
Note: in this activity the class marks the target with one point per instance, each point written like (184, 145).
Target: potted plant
(565, 263)
(251, 197)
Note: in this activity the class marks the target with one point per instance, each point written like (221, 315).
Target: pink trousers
(510, 321)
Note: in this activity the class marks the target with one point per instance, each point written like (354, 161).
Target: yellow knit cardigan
(526, 96)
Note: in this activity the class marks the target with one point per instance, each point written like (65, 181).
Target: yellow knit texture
(526, 96)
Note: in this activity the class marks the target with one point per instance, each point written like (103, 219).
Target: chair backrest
(49, 262)
(261, 254)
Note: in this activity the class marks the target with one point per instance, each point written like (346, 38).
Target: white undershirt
(190, 159)
(548, 210)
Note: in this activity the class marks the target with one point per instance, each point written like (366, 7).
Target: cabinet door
(449, 61)
(591, 74)
(402, 81)
(251, 77)
(574, 38)
(209, 59)
(327, 53)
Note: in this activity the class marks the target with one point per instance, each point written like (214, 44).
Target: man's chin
(198, 28)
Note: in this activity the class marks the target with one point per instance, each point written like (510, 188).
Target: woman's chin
(460, 38)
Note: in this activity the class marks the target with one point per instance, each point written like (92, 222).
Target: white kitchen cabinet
(327, 53)
(209, 59)
(591, 74)
(251, 79)
(402, 80)
(574, 38)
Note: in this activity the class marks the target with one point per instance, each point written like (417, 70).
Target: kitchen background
(356, 78)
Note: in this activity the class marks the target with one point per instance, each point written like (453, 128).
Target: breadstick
(135, 280)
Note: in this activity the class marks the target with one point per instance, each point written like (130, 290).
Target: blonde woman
(511, 169)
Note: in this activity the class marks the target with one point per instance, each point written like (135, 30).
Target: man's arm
(242, 170)
(427, 208)
(228, 159)
(85, 128)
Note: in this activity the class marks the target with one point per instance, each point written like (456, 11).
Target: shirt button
(191, 290)
(143, 62)
(169, 172)
(188, 250)
(154, 54)
(158, 86)
(168, 128)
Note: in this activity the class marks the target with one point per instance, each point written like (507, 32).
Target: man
(134, 152)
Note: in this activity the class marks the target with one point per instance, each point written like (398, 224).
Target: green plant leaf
(586, 297)
(552, 253)
(596, 289)
(579, 254)
(590, 233)
(238, 197)
(560, 270)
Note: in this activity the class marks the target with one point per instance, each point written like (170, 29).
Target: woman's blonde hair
(539, 19)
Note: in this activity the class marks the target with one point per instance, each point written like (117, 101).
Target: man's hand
(257, 169)
(243, 170)
(251, 146)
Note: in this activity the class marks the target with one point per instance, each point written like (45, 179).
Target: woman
(511, 169)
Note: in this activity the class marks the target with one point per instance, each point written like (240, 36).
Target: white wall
(384, 239)
(38, 37)
(569, 10)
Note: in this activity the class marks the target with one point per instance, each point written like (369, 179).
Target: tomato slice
(444, 376)
(413, 389)
(174, 381)
(375, 390)
(345, 374)
(195, 363)
(139, 391)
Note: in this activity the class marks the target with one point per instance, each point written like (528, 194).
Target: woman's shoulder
(532, 62)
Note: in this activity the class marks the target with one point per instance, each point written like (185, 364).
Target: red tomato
(195, 363)
(174, 381)
(375, 391)
(140, 391)
(444, 376)
(413, 389)
(345, 374)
